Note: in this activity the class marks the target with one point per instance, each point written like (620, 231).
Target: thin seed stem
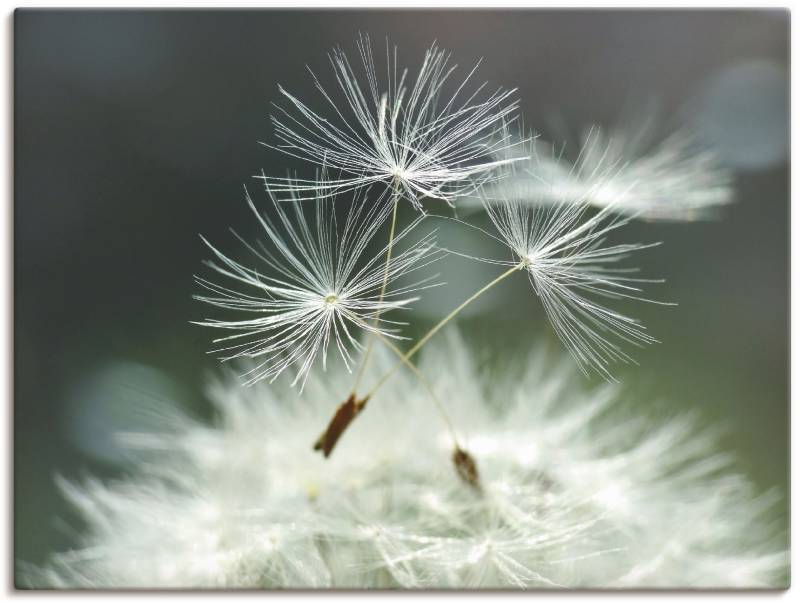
(353, 406)
(424, 339)
(427, 384)
(365, 360)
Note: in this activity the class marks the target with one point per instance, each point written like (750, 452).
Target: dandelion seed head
(593, 501)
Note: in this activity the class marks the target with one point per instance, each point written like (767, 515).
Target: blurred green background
(134, 132)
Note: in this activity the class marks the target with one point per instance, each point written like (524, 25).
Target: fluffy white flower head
(576, 493)
(399, 133)
(319, 284)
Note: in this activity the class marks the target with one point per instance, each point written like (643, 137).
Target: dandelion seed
(628, 502)
(397, 133)
(319, 284)
(563, 250)
(569, 267)
(629, 169)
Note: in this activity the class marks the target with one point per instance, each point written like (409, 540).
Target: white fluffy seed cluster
(575, 492)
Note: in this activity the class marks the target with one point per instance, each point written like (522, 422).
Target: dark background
(134, 132)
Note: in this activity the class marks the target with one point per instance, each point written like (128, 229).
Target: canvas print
(401, 299)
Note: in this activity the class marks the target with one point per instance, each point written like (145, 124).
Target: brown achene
(347, 411)
(466, 468)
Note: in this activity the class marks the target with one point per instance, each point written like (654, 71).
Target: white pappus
(562, 248)
(398, 133)
(320, 282)
(629, 167)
